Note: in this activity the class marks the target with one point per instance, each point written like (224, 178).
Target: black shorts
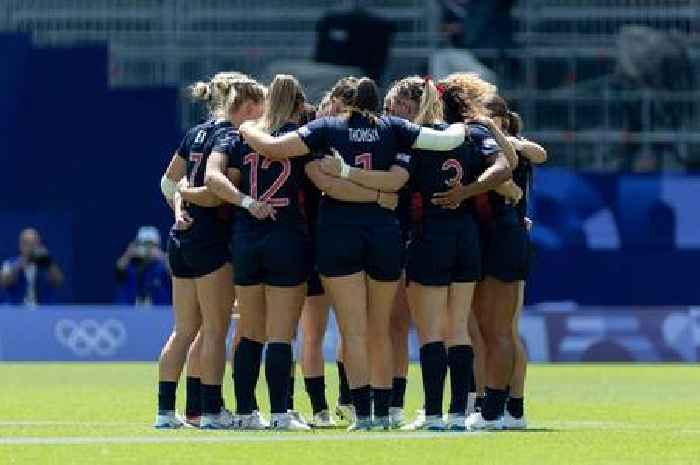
(440, 256)
(279, 256)
(191, 257)
(506, 251)
(343, 250)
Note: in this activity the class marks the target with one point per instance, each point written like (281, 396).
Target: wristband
(247, 201)
(344, 170)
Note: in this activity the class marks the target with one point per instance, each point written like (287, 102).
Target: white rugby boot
(251, 422)
(456, 422)
(168, 420)
(510, 422)
(345, 412)
(361, 424)
(425, 422)
(397, 417)
(287, 422)
(222, 420)
(322, 419)
(476, 422)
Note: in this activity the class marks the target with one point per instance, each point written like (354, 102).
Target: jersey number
(364, 160)
(253, 159)
(196, 158)
(450, 164)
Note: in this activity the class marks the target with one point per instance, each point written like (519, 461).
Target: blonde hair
(324, 106)
(226, 92)
(285, 99)
(424, 93)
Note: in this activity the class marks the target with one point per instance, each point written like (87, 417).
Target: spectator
(142, 272)
(33, 277)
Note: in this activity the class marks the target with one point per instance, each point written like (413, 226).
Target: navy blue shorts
(440, 256)
(279, 256)
(192, 258)
(343, 250)
(506, 251)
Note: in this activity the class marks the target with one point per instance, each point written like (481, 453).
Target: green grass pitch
(579, 414)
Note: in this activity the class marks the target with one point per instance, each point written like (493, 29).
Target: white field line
(224, 437)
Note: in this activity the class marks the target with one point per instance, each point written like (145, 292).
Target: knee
(184, 334)
(313, 341)
(214, 332)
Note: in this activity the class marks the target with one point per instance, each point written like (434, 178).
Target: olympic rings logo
(89, 337)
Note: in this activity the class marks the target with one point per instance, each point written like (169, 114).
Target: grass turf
(579, 414)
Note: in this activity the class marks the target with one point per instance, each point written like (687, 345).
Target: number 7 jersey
(277, 182)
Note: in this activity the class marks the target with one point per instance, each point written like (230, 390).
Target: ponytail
(358, 96)
(515, 123)
(430, 107)
(200, 91)
(226, 91)
(285, 100)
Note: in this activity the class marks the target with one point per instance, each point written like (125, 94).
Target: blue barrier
(552, 333)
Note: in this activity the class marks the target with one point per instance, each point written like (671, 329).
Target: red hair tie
(441, 88)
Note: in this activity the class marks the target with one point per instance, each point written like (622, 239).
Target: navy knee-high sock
(433, 363)
(277, 362)
(246, 369)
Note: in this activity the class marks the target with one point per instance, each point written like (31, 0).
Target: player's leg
(460, 355)
(344, 408)
(476, 398)
(515, 410)
(380, 297)
(284, 306)
(193, 403)
(428, 309)
(349, 297)
(400, 324)
(314, 319)
(216, 295)
(174, 352)
(496, 309)
(248, 356)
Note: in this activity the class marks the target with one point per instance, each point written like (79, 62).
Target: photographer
(33, 276)
(142, 272)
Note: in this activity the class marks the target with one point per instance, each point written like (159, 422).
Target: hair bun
(201, 91)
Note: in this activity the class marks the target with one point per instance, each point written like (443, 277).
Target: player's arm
(501, 140)
(218, 183)
(510, 191)
(275, 148)
(221, 185)
(432, 139)
(200, 196)
(530, 150)
(346, 190)
(496, 174)
(176, 170)
(385, 181)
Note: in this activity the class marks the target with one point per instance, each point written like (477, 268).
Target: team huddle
(413, 211)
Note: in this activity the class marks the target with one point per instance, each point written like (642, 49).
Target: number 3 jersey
(434, 172)
(370, 145)
(277, 182)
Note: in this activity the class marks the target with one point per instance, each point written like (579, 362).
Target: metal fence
(564, 48)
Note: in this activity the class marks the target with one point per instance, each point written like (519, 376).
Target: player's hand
(183, 222)
(511, 192)
(331, 166)
(182, 184)
(388, 200)
(450, 199)
(261, 210)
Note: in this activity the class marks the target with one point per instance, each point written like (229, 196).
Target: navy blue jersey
(522, 177)
(433, 172)
(195, 148)
(278, 182)
(371, 145)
